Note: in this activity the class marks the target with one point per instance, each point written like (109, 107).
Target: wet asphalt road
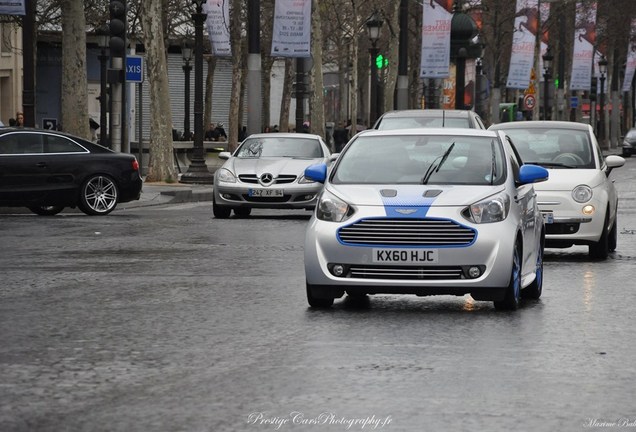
(166, 319)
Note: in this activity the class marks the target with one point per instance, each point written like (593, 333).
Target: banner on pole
(218, 26)
(292, 28)
(544, 10)
(631, 61)
(12, 7)
(584, 42)
(523, 44)
(436, 29)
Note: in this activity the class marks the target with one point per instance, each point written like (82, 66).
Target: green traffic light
(381, 61)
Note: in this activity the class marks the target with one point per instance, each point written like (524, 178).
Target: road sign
(529, 101)
(49, 123)
(134, 69)
(574, 102)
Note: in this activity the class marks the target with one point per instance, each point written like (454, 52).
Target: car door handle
(41, 164)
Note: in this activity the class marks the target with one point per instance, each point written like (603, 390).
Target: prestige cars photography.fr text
(297, 418)
(622, 422)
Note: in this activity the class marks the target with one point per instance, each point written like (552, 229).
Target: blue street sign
(134, 69)
(574, 102)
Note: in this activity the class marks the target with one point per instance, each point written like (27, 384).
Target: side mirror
(225, 155)
(317, 172)
(612, 162)
(532, 174)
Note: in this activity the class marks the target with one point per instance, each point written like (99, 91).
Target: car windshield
(553, 148)
(306, 148)
(391, 123)
(421, 159)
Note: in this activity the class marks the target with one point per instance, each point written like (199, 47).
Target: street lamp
(547, 74)
(602, 67)
(374, 24)
(186, 53)
(103, 40)
(198, 171)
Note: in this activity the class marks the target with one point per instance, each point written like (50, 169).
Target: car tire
(512, 297)
(534, 290)
(220, 212)
(613, 236)
(242, 212)
(98, 196)
(600, 249)
(46, 210)
(314, 298)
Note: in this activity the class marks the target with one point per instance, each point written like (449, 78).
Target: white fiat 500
(579, 202)
(425, 212)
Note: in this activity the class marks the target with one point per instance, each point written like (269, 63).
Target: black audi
(49, 170)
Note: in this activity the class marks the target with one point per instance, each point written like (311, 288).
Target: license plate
(548, 217)
(405, 256)
(265, 192)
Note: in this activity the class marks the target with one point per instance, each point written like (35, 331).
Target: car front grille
(406, 273)
(407, 232)
(269, 199)
(281, 179)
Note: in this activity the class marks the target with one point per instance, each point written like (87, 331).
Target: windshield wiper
(493, 163)
(435, 167)
(551, 164)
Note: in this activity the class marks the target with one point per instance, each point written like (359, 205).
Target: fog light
(588, 210)
(474, 272)
(226, 196)
(309, 197)
(337, 270)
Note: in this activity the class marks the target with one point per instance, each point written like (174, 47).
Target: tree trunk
(353, 52)
(161, 164)
(317, 114)
(236, 18)
(285, 106)
(392, 55)
(74, 115)
(209, 86)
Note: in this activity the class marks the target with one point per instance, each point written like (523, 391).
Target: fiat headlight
(582, 193)
(333, 209)
(226, 176)
(494, 209)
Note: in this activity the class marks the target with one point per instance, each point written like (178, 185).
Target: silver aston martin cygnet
(426, 212)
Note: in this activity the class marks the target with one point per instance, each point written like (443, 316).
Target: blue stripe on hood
(407, 200)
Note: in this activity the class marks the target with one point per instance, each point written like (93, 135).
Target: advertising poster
(436, 26)
(292, 28)
(630, 68)
(218, 26)
(523, 43)
(12, 7)
(584, 42)
(544, 10)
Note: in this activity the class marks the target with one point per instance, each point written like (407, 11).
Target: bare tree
(161, 165)
(237, 20)
(317, 98)
(75, 118)
(285, 106)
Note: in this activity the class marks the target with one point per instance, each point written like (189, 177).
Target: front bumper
(294, 196)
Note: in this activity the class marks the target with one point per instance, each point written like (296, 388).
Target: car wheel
(242, 212)
(600, 249)
(613, 236)
(315, 299)
(98, 196)
(46, 210)
(512, 297)
(220, 212)
(534, 290)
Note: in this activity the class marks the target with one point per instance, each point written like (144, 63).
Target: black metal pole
(300, 88)
(186, 111)
(28, 64)
(601, 128)
(460, 78)
(546, 90)
(103, 98)
(373, 93)
(198, 171)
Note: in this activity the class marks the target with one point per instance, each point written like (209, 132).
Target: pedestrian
(19, 119)
(211, 133)
(220, 130)
(12, 122)
(340, 136)
(242, 133)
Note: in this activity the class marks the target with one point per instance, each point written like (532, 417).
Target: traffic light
(117, 27)
(381, 61)
(593, 89)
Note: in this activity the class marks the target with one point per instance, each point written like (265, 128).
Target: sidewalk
(158, 193)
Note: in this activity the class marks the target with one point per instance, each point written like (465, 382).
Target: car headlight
(582, 193)
(333, 209)
(304, 180)
(226, 176)
(493, 209)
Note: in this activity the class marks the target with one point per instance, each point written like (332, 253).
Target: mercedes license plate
(404, 256)
(265, 192)
(548, 217)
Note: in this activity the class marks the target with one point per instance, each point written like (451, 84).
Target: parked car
(266, 171)
(579, 201)
(47, 170)
(629, 143)
(417, 118)
(426, 211)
